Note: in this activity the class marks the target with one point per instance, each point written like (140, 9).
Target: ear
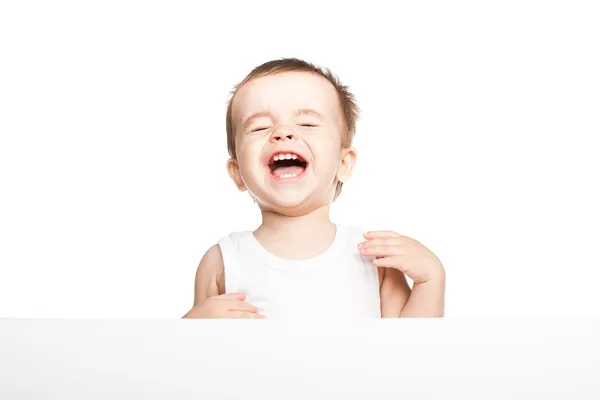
(234, 172)
(347, 161)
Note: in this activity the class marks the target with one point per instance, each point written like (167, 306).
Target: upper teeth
(288, 156)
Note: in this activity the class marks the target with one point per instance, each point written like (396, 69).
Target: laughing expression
(288, 129)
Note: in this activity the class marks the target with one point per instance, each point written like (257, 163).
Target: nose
(282, 135)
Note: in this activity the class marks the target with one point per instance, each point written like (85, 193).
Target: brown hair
(348, 104)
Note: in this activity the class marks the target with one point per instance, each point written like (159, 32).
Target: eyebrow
(308, 111)
(303, 111)
(256, 115)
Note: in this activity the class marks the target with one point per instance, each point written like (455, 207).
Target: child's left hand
(392, 250)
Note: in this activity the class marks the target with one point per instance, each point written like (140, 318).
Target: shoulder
(210, 274)
(211, 263)
(352, 234)
(212, 257)
(224, 251)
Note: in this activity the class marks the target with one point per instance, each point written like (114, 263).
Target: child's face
(294, 116)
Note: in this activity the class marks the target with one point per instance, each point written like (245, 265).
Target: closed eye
(259, 129)
(309, 125)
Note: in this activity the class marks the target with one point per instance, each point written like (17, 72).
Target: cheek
(249, 156)
(328, 153)
(327, 167)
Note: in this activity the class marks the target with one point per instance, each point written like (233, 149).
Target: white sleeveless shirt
(338, 283)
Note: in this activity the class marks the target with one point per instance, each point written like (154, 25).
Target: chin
(294, 211)
(286, 204)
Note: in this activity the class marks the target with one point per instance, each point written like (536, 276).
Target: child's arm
(208, 275)
(210, 300)
(427, 298)
(394, 292)
(399, 256)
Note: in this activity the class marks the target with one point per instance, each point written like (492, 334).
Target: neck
(298, 237)
(298, 226)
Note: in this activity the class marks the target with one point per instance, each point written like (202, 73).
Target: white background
(478, 137)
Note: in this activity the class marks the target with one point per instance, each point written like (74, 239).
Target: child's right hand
(224, 306)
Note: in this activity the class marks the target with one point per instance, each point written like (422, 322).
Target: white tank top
(338, 283)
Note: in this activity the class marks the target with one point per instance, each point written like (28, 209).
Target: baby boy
(290, 126)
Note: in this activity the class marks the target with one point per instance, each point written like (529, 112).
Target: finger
(380, 234)
(232, 296)
(388, 234)
(241, 306)
(388, 241)
(381, 251)
(247, 315)
(389, 262)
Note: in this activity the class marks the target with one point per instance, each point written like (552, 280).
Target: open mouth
(287, 165)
